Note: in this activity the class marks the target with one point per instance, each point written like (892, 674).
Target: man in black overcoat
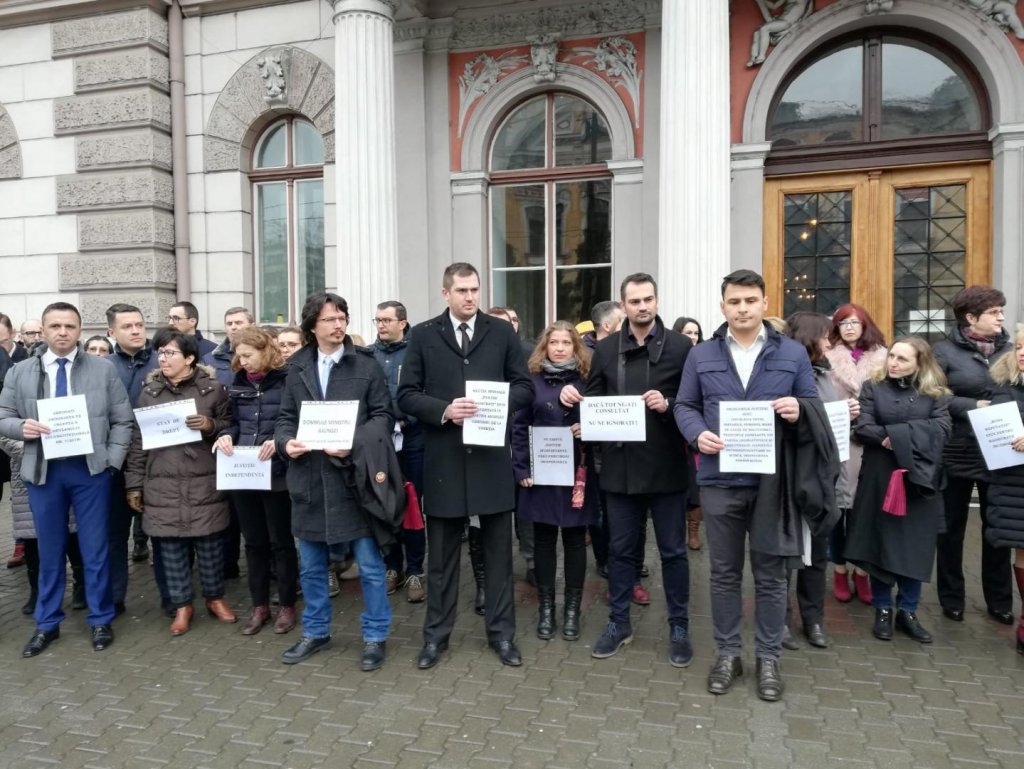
(463, 344)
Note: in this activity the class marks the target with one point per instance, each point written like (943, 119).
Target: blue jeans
(316, 616)
(907, 599)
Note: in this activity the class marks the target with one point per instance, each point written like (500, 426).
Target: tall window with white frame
(288, 204)
(551, 198)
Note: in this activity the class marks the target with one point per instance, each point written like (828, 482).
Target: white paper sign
(164, 425)
(747, 428)
(995, 427)
(551, 456)
(327, 424)
(243, 470)
(839, 417)
(68, 420)
(487, 426)
(613, 418)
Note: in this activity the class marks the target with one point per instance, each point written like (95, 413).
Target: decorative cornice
(576, 19)
(434, 33)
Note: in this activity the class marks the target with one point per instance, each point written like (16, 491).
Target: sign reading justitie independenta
(243, 470)
(613, 418)
(327, 424)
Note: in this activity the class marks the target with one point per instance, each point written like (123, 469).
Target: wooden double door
(901, 242)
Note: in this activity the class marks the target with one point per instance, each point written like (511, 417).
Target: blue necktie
(62, 378)
(325, 375)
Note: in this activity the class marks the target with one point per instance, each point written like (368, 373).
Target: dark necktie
(464, 330)
(62, 378)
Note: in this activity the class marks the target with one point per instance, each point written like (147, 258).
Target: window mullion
(873, 89)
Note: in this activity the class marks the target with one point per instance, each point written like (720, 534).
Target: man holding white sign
(325, 511)
(646, 472)
(84, 481)
(746, 360)
(445, 353)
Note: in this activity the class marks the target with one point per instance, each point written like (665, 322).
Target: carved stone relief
(480, 75)
(1003, 13)
(10, 150)
(544, 55)
(616, 58)
(280, 77)
(776, 26)
(878, 6)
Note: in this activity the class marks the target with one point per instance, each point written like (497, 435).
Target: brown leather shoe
(258, 617)
(285, 619)
(219, 608)
(182, 620)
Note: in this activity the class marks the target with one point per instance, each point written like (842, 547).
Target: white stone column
(693, 210)
(364, 137)
(1007, 227)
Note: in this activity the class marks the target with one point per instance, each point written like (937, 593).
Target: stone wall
(120, 192)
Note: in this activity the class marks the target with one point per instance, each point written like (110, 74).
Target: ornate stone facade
(306, 86)
(10, 151)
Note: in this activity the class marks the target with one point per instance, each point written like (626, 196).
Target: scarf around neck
(558, 368)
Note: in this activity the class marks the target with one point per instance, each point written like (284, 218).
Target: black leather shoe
(430, 654)
(102, 637)
(907, 622)
(507, 653)
(38, 642)
(769, 680)
(304, 649)
(957, 615)
(788, 641)
(1002, 617)
(373, 656)
(724, 674)
(816, 636)
(883, 624)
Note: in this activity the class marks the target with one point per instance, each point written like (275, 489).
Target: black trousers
(574, 550)
(996, 575)
(810, 584)
(266, 521)
(444, 549)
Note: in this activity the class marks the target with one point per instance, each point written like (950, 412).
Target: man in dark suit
(461, 345)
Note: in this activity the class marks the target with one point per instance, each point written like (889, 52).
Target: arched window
(884, 94)
(288, 194)
(551, 211)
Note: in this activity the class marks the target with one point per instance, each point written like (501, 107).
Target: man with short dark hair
(745, 360)
(644, 359)
(607, 317)
(83, 481)
(325, 509)
(184, 318)
(392, 323)
(235, 319)
(461, 345)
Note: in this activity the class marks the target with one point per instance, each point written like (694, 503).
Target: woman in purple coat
(559, 359)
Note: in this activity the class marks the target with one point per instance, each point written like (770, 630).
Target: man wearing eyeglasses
(392, 324)
(29, 336)
(184, 317)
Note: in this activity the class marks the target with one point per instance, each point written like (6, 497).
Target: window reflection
(922, 94)
(581, 134)
(520, 140)
(823, 104)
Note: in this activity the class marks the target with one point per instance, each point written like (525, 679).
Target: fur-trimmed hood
(847, 374)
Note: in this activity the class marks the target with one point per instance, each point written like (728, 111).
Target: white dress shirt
(51, 366)
(744, 358)
(458, 334)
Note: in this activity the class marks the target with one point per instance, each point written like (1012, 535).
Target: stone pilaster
(121, 191)
(365, 157)
(693, 216)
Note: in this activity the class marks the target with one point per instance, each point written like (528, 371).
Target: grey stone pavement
(214, 698)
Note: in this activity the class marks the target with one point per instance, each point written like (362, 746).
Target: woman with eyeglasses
(175, 487)
(265, 516)
(858, 350)
(975, 343)
(289, 341)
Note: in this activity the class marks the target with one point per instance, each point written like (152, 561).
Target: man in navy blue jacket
(746, 360)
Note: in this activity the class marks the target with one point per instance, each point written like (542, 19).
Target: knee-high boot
(1018, 572)
(476, 559)
(32, 572)
(693, 518)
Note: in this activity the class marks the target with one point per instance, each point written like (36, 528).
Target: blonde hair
(262, 340)
(929, 379)
(579, 350)
(1005, 370)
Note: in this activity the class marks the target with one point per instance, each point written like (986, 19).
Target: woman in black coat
(903, 425)
(965, 357)
(559, 359)
(1006, 489)
(265, 516)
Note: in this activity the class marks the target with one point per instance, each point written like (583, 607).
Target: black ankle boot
(907, 622)
(546, 613)
(476, 558)
(571, 617)
(883, 624)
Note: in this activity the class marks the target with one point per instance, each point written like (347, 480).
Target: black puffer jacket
(968, 376)
(1006, 490)
(255, 407)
